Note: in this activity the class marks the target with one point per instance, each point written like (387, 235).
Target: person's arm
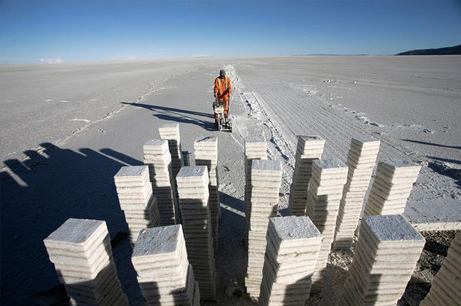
(216, 87)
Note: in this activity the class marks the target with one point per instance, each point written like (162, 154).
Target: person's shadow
(179, 115)
(37, 196)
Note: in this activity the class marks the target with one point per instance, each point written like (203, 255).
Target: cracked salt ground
(82, 120)
(98, 156)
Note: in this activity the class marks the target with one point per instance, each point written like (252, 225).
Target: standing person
(223, 90)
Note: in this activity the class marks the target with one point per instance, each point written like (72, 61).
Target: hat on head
(222, 72)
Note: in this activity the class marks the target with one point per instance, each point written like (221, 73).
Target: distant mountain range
(440, 51)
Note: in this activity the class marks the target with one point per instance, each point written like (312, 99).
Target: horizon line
(39, 62)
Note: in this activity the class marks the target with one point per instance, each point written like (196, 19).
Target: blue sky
(103, 30)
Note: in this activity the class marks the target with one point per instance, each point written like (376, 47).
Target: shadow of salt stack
(136, 199)
(361, 161)
(391, 188)
(158, 158)
(293, 245)
(309, 149)
(81, 253)
(265, 181)
(206, 154)
(193, 202)
(385, 257)
(186, 158)
(164, 273)
(324, 195)
(446, 286)
(255, 149)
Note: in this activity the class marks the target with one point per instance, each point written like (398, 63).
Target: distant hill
(440, 51)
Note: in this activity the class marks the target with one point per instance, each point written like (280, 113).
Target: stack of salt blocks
(136, 199)
(385, 257)
(170, 132)
(266, 178)
(157, 156)
(309, 148)
(361, 161)
(193, 202)
(164, 274)
(391, 188)
(325, 192)
(293, 245)
(81, 253)
(206, 154)
(446, 286)
(255, 149)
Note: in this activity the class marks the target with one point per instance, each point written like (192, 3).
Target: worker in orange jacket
(223, 90)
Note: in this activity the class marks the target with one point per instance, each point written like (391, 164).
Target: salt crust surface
(191, 171)
(131, 171)
(157, 240)
(293, 227)
(269, 165)
(155, 142)
(391, 228)
(330, 163)
(75, 231)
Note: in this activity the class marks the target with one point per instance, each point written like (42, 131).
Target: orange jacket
(220, 87)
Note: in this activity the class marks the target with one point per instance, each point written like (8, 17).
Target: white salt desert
(61, 157)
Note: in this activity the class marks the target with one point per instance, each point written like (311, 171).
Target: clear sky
(114, 30)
